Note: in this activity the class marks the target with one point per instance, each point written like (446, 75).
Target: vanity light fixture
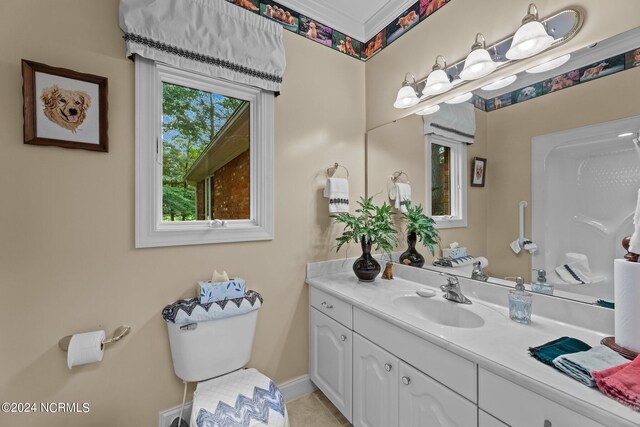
(478, 63)
(550, 65)
(500, 83)
(428, 110)
(460, 98)
(531, 38)
(438, 81)
(408, 94)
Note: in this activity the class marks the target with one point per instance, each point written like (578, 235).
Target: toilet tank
(208, 349)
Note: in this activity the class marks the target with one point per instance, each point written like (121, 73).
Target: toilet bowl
(213, 353)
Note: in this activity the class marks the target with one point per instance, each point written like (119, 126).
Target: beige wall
(400, 146)
(509, 133)
(67, 257)
(452, 30)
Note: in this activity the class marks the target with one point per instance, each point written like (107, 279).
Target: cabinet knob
(326, 305)
(547, 423)
(387, 367)
(406, 380)
(343, 337)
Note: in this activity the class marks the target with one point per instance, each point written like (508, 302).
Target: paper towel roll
(85, 348)
(626, 277)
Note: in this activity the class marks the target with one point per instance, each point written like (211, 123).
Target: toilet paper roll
(85, 348)
(627, 298)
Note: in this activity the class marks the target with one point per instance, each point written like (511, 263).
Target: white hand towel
(337, 191)
(575, 270)
(401, 193)
(634, 244)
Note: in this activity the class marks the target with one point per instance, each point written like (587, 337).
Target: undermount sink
(439, 311)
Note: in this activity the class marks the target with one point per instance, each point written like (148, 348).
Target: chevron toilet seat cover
(245, 398)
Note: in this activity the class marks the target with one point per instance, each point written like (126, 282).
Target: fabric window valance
(212, 37)
(456, 122)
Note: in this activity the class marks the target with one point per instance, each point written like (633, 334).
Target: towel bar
(397, 174)
(331, 170)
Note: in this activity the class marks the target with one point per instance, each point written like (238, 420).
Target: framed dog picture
(64, 108)
(478, 171)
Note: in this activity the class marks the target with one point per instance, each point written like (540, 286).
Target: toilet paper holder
(118, 334)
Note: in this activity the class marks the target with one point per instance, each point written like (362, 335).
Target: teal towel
(605, 304)
(547, 352)
(579, 366)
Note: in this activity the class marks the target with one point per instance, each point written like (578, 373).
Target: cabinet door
(486, 420)
(426, 403)
(330, 352)
(375, 385)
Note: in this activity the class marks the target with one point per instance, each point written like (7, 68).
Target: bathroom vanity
(387, 357)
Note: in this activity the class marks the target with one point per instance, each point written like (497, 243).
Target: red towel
(621, 383)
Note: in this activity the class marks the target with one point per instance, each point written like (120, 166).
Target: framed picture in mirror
(478, 171)
(64, 108)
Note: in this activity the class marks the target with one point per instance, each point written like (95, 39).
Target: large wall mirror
(562, 141)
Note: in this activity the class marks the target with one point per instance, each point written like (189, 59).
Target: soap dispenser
(520, 303)
(541, 285)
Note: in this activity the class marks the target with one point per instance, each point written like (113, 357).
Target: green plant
(424, 227)
(372, 223)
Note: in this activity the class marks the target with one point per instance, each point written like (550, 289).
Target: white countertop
(500, 345)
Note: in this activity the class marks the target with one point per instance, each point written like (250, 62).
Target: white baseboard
(167, 416)
(290, 390)
(297, 387)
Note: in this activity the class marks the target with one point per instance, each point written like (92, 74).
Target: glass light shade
(550, 65)
(500, 83)
(478, 64)
(437, 83)
(406, 97)
(428, 110)
(460, 98)
(530, 39)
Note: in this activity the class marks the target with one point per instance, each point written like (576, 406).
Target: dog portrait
(345, 44)
(64, 108)
(602, 68)
(526, 93)
(633, 58)
(478, 168)
(272, 10)
(316, 31)
(403, 23)
(251, 5)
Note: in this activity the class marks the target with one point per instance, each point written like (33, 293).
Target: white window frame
(151, 230)
(458, 174)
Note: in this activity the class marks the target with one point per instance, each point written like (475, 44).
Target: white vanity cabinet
(331, 352)
(375, 385)
(424, 401)
(378, 374)
(517, 406)
(330, 358)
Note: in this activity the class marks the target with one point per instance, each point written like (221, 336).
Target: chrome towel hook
(331, 170)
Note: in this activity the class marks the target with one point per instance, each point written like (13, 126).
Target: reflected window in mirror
(204, 158)
(445, 181)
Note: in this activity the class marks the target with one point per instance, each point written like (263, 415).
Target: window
(446, 179)
(204, 159)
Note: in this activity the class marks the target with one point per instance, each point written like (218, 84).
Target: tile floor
(315, 410)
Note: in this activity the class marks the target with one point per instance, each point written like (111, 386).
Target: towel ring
(331, 170)
(397, 174)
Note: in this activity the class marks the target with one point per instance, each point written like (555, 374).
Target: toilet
(213, 354)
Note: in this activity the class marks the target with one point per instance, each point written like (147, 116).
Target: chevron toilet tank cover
(191, 310)
(244, 398)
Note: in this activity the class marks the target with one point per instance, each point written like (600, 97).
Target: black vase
(411, 256)
(366, 267)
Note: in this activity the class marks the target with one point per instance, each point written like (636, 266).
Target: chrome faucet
(452, 291)
(477, 273)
